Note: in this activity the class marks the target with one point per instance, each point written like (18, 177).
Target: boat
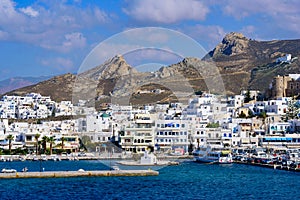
(43, 157)
(148, 159)
(35, 158)
(5, 170)
(54, 158)
(209, 154)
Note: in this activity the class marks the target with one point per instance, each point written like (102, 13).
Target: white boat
(55, 158)
(148, 159)
(44, 157)
(8, 170)
(208, 154)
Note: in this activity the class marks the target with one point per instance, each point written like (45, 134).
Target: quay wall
(65, 174)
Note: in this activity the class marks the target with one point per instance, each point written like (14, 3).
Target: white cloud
(29, 11)
(209, 35)
(74, 40)
(60, 63)
(277, 13)
(49, 24)
(7, 8)
(71, 41)
(167, 11)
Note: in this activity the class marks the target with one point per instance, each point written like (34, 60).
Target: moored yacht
(209, 154)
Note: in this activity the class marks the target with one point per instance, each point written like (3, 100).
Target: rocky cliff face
(236, 63)
(232, 44)
(112, 68)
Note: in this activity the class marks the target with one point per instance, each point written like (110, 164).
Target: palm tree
(36, 137)
(44, 143)
(63, 139)
(10, 138)
(51, 142)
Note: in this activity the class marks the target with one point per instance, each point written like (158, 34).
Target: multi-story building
(171, 134)
(138, 135)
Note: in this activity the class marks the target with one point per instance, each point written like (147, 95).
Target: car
(82, 154)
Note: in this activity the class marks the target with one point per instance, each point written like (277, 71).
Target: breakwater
(65, 174)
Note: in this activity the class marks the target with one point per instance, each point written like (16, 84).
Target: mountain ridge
(240, 63)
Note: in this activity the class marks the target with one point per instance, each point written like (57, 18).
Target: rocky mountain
(236, 63)
(242, 61)
(19, 82)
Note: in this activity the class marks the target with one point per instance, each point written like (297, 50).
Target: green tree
(44, 143)
(10, 138)
(247, 97)
(36, 137)
(250, 114)
(292, 110)
(213, 125)
(262, 115)
(242, 115)
(63, 139)
(51, 141)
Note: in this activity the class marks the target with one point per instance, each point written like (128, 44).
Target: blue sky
(41, 37)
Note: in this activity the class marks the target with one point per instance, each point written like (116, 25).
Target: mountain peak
(232, 44)
(233, 36)
(112, 68)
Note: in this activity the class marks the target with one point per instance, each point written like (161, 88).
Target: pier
(65, 174)
(272, 166)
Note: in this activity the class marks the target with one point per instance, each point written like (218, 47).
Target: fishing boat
(209, 154)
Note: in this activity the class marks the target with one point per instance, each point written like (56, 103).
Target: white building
(286, 58)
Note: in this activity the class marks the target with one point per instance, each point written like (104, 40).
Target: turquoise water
(189, 180)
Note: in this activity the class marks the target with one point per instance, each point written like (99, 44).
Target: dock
(65, 174)
(272, 166)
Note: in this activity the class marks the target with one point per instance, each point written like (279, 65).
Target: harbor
(188, 180)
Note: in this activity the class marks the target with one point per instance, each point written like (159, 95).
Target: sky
(42, 37)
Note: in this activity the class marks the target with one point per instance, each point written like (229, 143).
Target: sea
(188, 180)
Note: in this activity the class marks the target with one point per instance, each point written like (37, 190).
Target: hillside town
(30, 123)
